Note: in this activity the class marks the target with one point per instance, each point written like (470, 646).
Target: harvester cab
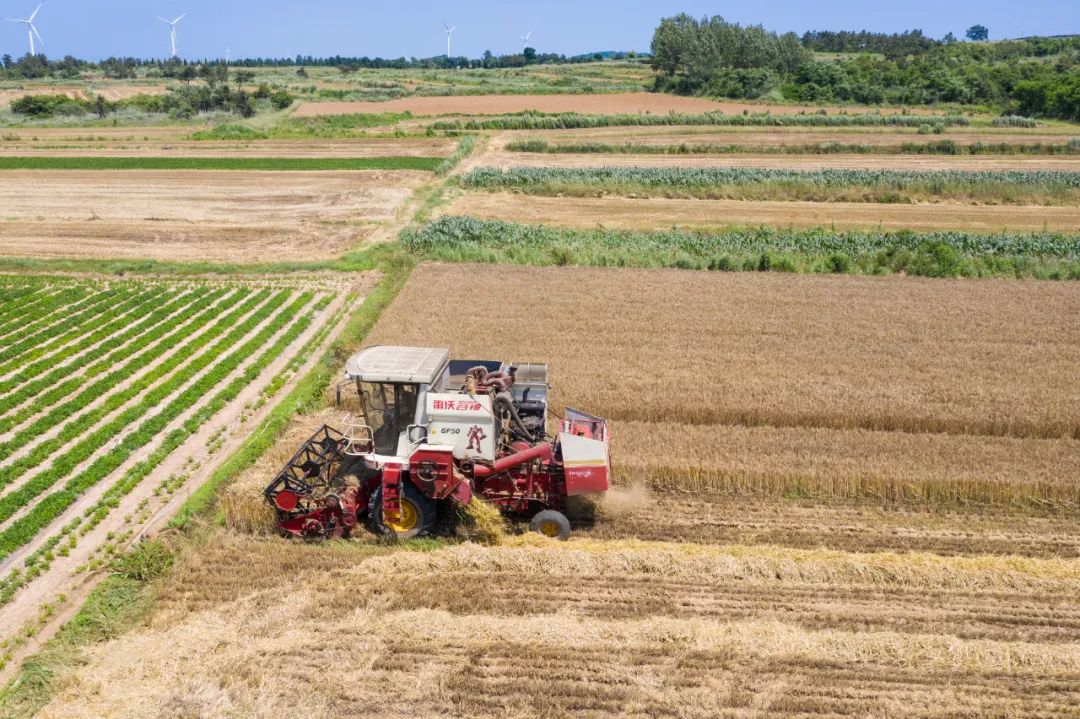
(427, 431)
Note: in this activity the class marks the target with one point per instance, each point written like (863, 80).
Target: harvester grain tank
(429, 432)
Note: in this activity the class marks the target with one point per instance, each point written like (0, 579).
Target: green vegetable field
(101, 381)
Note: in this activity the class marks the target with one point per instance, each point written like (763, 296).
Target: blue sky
(99, 28)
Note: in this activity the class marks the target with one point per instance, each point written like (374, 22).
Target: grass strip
(271, 164)
(817, 250)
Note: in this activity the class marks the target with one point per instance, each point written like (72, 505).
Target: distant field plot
(92, 144)
(196, 215)
(628, 213)
(102, 382)
(891, 388)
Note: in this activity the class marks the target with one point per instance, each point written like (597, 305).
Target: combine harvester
(432, 432)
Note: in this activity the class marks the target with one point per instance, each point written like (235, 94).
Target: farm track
(624, 213)
(196, 215)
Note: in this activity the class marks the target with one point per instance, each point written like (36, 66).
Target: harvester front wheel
(417, 514)
(551, 524)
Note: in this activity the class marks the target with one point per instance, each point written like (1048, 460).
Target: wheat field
(892, 389)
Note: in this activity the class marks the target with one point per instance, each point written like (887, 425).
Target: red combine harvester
(432, 431)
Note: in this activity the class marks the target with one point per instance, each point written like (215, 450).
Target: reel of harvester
(310, 495)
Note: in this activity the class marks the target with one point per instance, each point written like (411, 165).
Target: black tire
(425, 508)
(551, 524)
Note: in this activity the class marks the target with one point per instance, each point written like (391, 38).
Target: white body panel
(463, 422)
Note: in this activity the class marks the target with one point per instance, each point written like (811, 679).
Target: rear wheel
(417, 514)
(551, 524)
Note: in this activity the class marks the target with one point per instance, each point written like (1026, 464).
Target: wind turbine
(172, 30)
(525, 40)
(449, 33)
(31, 31)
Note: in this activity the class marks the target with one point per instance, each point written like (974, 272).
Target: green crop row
(26, 527)
(18, 298)
(41, 307)
(119, 351)
(41, 558)
(681, 177)
(573, 121)
(937, 147)
(44, 341)
(1040, 254)
(52, 317)
(69, 459)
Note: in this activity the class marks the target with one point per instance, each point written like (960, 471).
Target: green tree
(100, 107)
(976, 33)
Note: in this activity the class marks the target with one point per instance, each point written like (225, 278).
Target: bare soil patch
(660, 214)
(614, 103)
(128, 146)
(200, 215)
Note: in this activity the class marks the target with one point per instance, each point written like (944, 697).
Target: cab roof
(414, 365)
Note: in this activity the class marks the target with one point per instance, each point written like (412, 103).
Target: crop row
(19, 299)
(119, 351)
(938, 147)
(54, 312)
(31, 333)
(44, 341)
(465, 239)
(25, 528)
(574, 121)
(40, 307)
(40, 559)
(679, 177)
(90, 349)
(76, 427)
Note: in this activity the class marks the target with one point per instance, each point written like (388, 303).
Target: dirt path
(137, 147)
(660, 214)
(62, 577)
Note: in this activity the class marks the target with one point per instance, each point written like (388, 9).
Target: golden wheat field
(890, 388)
(838, 497)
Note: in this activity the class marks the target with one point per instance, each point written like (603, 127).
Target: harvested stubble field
(137, 146)
(232, 216)
(593, 629)
(880, 388)
(610, 103)
(626, 213)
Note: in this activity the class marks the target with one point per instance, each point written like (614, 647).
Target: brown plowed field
(614, 103)
(259, 148)
(111, 92)
(663, 214)
(196, 215)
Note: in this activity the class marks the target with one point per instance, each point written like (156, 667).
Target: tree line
(1037, 77)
